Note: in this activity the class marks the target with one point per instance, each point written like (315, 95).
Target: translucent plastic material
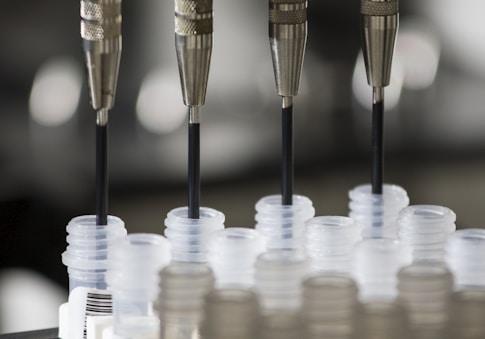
(426, 228)
(86, 255)
(377, 213)
(381, 320)
(283, 225)
(189, 236)
(329, 241)
(424, 290)
(231, 314)
(231, 255)
(329, 303)
(467, 315)
(183, 287)
(281, 325)
(465, 253)
(375, 263)
(279, 274)
(137, 260)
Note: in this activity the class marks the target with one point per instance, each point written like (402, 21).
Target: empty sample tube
(183, 287)
(231, 255)
(426, 228)
(424, 290)
(329, 241)
(231, 313)
(281, 325)
(377, 213)
(328, 306)
(137, 260)
(283, 225)
(381, 320)
(467, 315)
(189, 236)
(88, 265)
(462, 250)
(278, 278)
(375, 263)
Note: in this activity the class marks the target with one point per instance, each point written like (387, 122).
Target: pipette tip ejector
(101, 35)
(380, 21)
(287, 36)
(193, 44)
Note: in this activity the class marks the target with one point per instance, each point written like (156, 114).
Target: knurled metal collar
(188, 7)
(379, 8)
(99, 10)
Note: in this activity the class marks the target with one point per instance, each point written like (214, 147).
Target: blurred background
(435, 125)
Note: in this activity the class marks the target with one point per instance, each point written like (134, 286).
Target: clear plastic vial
(278, 276)
(377, 213)
(424, 290)
(88, 258)
(183, 287)
(281, 325)
(375, 264)
(86, 255)
(381, 320)
(328, 307)
(231, 255)
(329, 241)
(137, 260)
(231, 313)
(426, 228)
(189, 236)
(467, 315)
(283, 225)
(465, 251)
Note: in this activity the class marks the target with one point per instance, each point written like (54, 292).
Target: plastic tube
(281, 325)
(278, 275)
(183, 287)
(231, 255)
(189, 236)
(328, 307)
(137, 260)
(424, 290)
(380, 319)
(375, 263)
(377, 213)
(467, 314)
(88, 260)
(231, 313)
(283, 225)
(329, 241)
(86, 255)
(464, 255)
(426, 228)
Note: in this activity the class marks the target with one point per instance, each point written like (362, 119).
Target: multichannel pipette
(101, 34)
(287, 36)
(193, 42)
(380, 20)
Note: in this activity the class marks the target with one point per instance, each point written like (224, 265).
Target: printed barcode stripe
(97, 304)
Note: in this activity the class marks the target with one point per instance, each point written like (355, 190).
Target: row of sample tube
(388, 258)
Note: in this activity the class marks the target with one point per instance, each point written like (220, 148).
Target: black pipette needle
(102, 168)
(194, 164)
(377, 140)
(287, 159)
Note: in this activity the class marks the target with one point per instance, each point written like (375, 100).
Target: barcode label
(98, 303)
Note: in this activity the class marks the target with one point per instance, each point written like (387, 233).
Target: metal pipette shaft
(287, 36)
(193, 42)
(101, 34)
(380, 20)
